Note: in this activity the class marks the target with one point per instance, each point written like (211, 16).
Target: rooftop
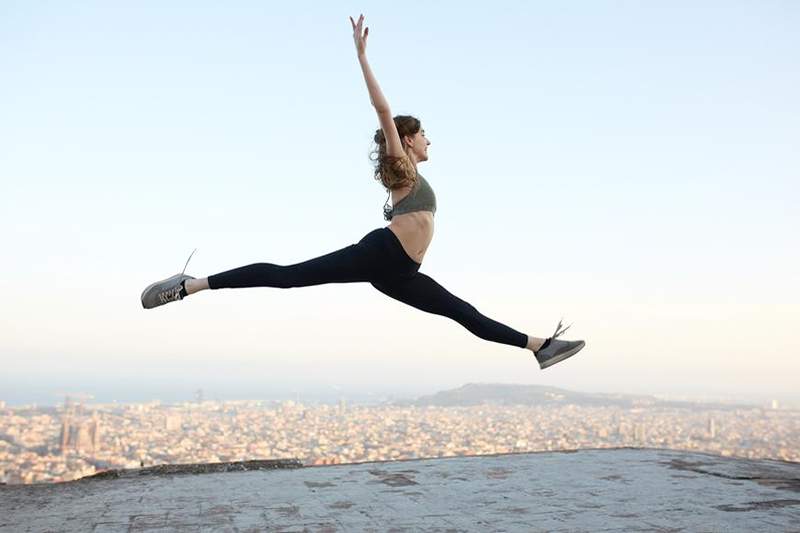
(619, 489)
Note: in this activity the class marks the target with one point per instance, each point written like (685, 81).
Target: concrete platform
(589, 490)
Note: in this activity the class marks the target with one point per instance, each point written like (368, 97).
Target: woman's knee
(383, 287)
(464, 313)
(272, 275)
(285, 276)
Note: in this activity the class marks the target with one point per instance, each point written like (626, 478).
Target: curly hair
(395, 172)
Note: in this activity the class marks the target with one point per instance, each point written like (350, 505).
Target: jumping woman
(390, 257)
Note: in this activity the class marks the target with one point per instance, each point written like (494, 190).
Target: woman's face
(418, 144)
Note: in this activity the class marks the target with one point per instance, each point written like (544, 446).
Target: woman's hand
(375, 94)
(359, 37)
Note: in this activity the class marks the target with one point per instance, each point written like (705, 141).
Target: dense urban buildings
(47, 444)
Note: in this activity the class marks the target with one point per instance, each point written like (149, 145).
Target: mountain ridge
(471, 394)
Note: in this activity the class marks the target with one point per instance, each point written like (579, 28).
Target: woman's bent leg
(353, 263)
(422, 292)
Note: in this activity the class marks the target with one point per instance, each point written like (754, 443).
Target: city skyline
(73, 442)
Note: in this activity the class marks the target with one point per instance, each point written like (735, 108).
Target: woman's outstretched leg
(424, 293)
(359, 262)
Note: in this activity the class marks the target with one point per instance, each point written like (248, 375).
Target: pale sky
(630, 166)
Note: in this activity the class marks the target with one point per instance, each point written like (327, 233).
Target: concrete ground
(589, 490)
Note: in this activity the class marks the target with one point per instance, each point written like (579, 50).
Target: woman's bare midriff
(415, 232)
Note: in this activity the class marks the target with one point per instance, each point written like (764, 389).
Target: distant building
(83, 438)
(95, 432)
(80, 434)
(712, 428)
(65, 429)
(172, 422)
(639, 433)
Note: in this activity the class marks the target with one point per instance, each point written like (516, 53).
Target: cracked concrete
(590, 490)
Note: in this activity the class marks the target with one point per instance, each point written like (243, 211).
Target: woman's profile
(389, 257)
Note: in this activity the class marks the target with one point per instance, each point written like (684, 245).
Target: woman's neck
(413, 159)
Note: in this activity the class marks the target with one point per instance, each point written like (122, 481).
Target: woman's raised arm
(394, 147)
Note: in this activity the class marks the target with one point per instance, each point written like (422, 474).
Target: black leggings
(380, 259)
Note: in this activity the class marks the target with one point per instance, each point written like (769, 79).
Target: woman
(390, 257)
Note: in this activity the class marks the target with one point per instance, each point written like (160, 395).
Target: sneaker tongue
(546, 344)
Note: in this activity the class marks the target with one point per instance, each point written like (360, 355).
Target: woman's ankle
(195, 285)
(534, 344)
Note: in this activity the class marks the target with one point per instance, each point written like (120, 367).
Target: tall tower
(94, 432)
(712, 428)
(639, 433)
(83, 439)
(65, 429)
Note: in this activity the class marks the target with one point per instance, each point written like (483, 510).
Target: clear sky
(631, 166)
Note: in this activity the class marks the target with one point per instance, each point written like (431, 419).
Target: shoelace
(559, 331)
(171, 294)
(174, 293)
(187, 261)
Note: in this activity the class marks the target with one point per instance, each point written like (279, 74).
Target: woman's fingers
(357, 33)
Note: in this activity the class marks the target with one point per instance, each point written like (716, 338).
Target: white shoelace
(171, 294)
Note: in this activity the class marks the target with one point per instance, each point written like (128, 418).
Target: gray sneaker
(164, 291)
(557, 350)
(167, 290)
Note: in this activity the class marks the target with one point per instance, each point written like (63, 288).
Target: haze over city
(631, 167)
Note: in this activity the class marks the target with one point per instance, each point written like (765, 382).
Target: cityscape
(53, 444)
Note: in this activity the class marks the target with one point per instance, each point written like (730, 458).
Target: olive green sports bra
(421, 198)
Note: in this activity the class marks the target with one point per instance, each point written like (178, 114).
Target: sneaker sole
(559, 358)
